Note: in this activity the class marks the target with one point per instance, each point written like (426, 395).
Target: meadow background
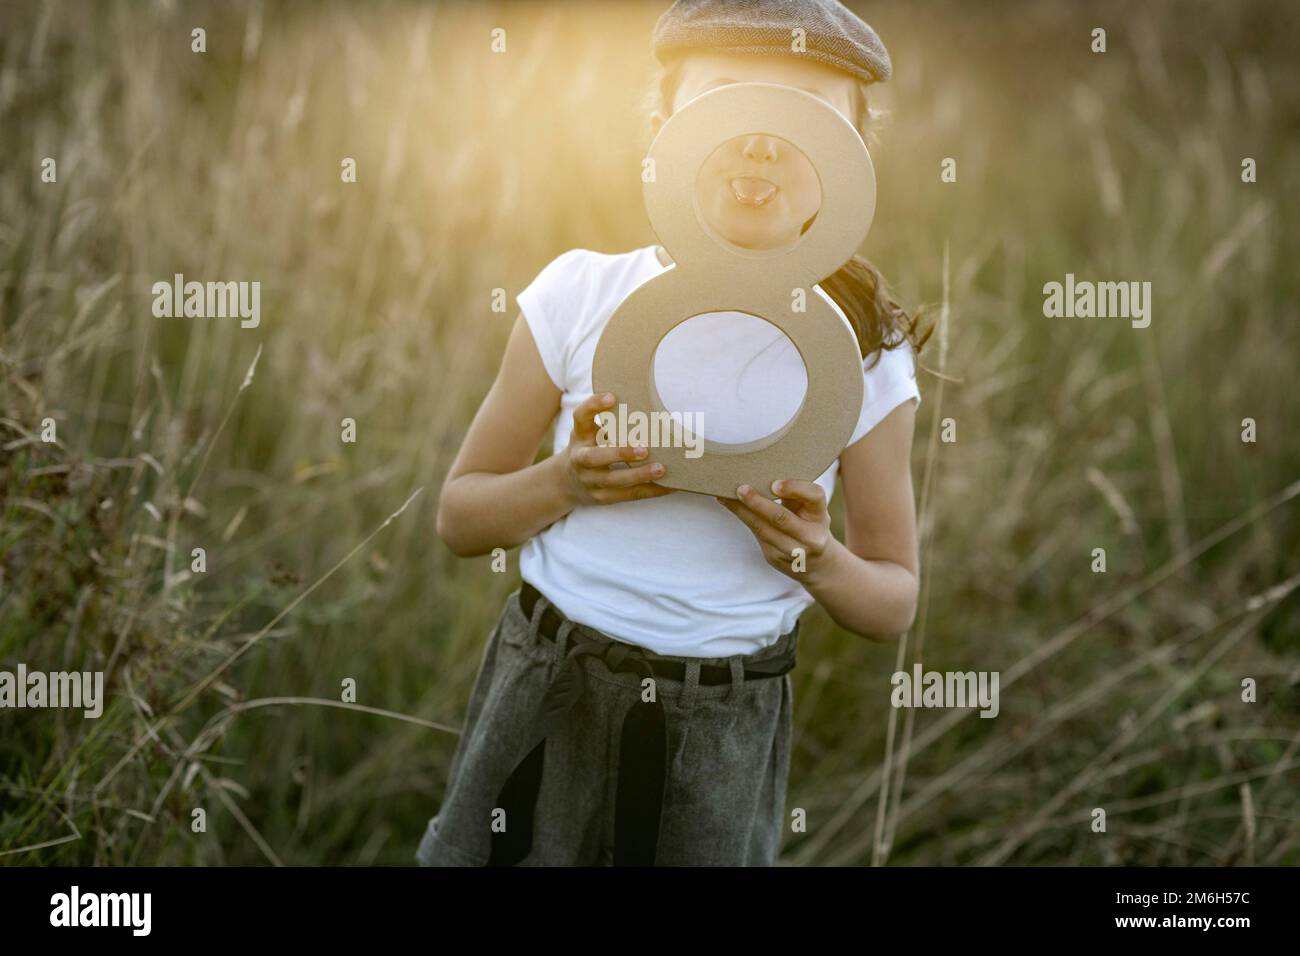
(1119, 690)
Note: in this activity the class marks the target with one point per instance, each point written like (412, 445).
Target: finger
(585, 426)
(763, 529)
(808, 496)
(779, 516)
(601, 456)
(777, 557)
(626, 477)
(613, 496)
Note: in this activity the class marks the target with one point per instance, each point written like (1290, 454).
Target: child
(673, 747)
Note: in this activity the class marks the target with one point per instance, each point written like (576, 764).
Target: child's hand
(589, 479)
(801, 520)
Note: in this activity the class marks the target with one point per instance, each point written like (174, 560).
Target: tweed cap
(833, 34)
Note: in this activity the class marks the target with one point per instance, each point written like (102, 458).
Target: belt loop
(737, 665)
(690, 684)
(562, 637)
(535, 622)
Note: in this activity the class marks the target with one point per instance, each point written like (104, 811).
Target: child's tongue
(752, 191)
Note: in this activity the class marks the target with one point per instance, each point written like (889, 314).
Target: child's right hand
(588, 477)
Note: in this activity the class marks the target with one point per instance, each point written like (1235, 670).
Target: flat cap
(833, 34)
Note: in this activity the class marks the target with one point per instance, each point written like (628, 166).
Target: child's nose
(760, 149)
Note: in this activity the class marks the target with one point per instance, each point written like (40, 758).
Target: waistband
(772, 661)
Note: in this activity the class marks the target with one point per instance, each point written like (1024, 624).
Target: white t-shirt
(678, 574)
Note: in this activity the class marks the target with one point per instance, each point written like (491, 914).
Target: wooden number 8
(710, 275)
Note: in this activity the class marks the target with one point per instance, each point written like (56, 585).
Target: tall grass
(1120, 690)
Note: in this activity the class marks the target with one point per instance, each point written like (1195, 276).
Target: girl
(633, 705)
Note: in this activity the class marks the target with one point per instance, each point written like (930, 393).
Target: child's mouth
(753, 191)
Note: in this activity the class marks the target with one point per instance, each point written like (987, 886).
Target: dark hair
(858, 288)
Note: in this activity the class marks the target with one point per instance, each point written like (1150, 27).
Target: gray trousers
(728, 757)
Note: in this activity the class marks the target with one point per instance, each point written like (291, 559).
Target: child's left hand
(800, 520)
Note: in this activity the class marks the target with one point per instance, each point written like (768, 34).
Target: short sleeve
(887, 385)
(549, 304)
